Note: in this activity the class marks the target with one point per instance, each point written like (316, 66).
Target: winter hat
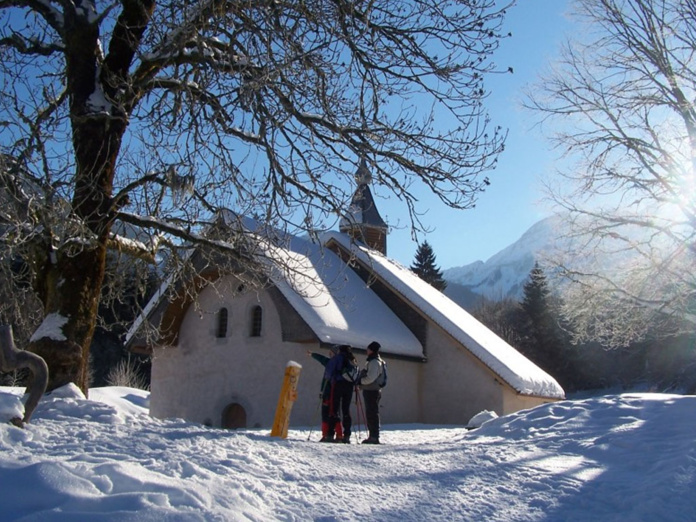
(334, 349)
(374, 346)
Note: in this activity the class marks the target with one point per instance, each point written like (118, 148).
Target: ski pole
(357, 411)
(360, 410)
(316, 413)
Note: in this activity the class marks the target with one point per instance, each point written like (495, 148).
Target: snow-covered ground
(629, 457)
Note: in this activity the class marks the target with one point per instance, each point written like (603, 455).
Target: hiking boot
(327, 439)
(345, 440)
(370, 440)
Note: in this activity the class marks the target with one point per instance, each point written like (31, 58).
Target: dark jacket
(324, 360)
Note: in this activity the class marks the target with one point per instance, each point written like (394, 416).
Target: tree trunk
(72, 299)
(73, 286)
(72, 276)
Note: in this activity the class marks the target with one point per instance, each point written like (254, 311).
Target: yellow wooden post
(288, 395)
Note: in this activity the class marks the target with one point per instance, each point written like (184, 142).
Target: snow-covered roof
(332, 299)
(335, 302)
(504, 360)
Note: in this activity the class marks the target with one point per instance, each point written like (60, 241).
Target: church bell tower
(363, 222)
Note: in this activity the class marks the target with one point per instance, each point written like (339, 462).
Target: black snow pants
(341, 393)
(372, 398)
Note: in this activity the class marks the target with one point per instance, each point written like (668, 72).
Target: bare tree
(502, 317)
(620, 104)
(158, 114)
(126, 373)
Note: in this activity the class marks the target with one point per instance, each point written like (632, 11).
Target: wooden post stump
(288, 396)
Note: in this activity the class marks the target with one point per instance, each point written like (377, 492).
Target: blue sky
(513, 201)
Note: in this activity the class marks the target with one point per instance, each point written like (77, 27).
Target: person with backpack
(325, 395)
(341, 371)
(372, 379)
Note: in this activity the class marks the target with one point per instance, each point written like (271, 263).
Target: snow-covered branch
(182, 233)
(134, 248)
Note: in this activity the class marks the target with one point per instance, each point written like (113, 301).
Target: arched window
(222, 323)
(256, 321)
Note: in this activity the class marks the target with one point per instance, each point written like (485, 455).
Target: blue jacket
(334, 368)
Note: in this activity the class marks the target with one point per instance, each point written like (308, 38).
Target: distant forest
(535, 327)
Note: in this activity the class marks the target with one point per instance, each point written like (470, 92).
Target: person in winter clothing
(325, 395)
(372, 393)
(340, 371)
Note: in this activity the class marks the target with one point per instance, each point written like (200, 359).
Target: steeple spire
(362, 221)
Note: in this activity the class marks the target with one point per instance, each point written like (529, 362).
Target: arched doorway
(234, 416)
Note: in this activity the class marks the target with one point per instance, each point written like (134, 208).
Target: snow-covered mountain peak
(505, 273)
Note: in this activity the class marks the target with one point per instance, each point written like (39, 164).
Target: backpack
(349, 371)
(382, 379)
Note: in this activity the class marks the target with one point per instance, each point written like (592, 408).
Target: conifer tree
(543, 339)
(425, 268)
(536, 295)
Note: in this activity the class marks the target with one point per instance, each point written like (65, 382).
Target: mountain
(505, 273)
(463, 296)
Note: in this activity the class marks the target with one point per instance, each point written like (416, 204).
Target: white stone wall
(197, 379)
(458, 386)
